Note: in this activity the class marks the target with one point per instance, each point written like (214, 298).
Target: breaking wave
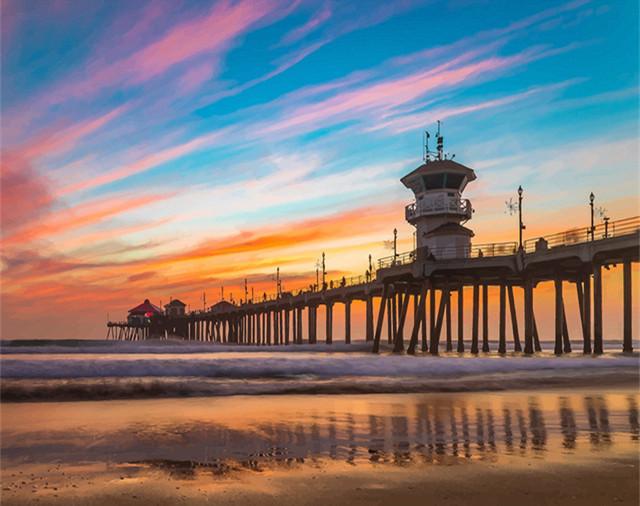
(90, 377)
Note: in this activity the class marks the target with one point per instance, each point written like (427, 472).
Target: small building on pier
(175, 308)
(143, 313)
(223, 306)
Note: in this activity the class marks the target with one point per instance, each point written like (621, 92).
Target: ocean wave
(88, 389)
(283, 366)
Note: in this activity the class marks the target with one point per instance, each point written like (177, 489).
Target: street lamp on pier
(592, 199)
(521, 225)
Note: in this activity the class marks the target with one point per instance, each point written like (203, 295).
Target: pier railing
(573, 236)
(495, 249)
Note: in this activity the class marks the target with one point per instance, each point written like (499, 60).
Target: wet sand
(577, 446)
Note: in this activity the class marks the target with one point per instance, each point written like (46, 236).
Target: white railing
(439, 205)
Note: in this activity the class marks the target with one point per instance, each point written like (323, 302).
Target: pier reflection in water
(184, 435)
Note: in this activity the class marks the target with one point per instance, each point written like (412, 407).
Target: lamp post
(592, 198)
(395, 245)
(521, 226)
(324, 273)
(277, 282)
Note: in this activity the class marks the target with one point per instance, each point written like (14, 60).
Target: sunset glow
(166, 149)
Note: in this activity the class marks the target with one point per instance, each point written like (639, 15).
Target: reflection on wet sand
(421, 429)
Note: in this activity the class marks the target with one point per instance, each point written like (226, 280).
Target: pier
(432, 279)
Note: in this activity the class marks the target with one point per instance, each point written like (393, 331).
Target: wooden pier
(419, 278)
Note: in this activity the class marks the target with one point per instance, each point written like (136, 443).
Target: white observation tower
(439, 211)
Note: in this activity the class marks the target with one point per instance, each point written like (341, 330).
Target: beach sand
(577, 446)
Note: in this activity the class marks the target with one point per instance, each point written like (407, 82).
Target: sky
(165, 149)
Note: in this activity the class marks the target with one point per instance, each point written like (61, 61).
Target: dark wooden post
(400, 328)
(627, 343)
(565, 331)
(461, 319)
(536, 336)
(394, 315)
(268, 327)
(423, 317)
(347, 321)
(448, 322)
(435, 342)
(369, 318)
(598, 348)
(418, 319)
(587, 314)
(432, 313)
(398, 345)
(528, 316)
(474, 321)
(389, 318)
(383, 302)
(329, 323)
(300, 333)
(485, 318)
(312, 324)
(557, 349)
(502, 324)
(514, 320)
(287, 324)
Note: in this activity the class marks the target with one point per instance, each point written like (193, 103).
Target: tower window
(443, 180)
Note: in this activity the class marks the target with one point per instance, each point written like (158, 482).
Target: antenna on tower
(439, 143)
(425, 147)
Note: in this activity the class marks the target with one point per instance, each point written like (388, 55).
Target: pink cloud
(82, 215)
(391, 93)
(143, 164)
(209, 35)
(56, 140)
(312, 24)
(24, 194)
(195, 76)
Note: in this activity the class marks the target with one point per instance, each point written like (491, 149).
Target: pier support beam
(383, 303)
(299, 321)
(597, 310)
(474, 321)
(432, 313)
(502, 323)
(514, 320)
(313, 312)
(485, 318)
(418, 319)
(287, 325)
(398, 345)
(565, 331)
(435, 342)
(347, 321)
(586, 324)
(460, 301)
(389, 318)
(329, 323)
(448, 323)
(369, 318)
(528, 316)
(423, 317)
(627, 343)
(559, 317)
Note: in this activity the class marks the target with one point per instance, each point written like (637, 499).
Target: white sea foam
(282, 365)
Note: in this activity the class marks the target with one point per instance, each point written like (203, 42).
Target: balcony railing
(439, 205)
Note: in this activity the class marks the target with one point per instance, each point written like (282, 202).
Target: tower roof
(144, 308)
(414, 180)
(451, 229)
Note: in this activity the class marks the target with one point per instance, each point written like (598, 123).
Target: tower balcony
(439, 206)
